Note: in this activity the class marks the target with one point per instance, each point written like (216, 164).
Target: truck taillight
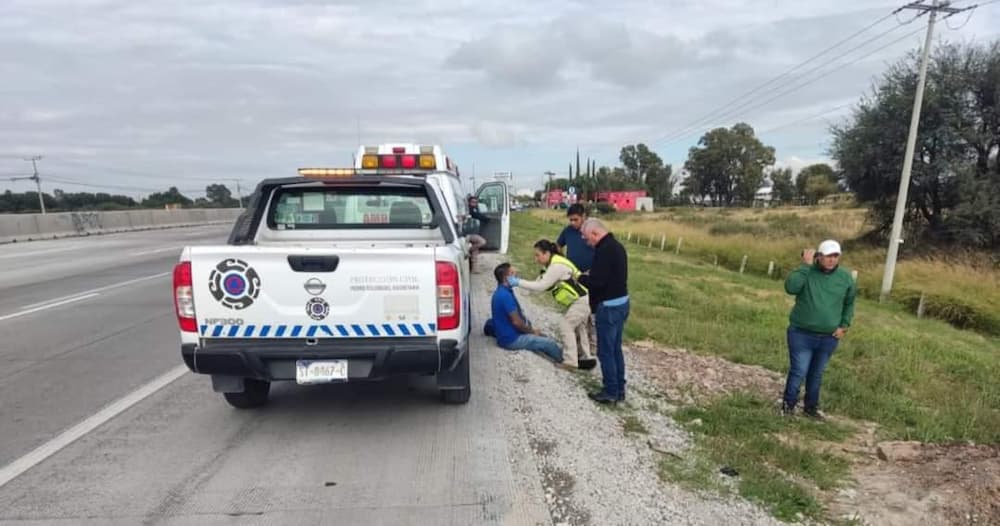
(184, 297)
(448, 296)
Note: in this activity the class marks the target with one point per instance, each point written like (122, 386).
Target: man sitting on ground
(512, 329)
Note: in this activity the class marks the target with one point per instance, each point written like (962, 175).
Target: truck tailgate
(278, 292)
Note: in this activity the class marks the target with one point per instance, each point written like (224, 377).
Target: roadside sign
(572, 190)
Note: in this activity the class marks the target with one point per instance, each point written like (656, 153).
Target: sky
(133, 97)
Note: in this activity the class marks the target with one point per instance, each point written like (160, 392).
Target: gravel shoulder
(592, 470)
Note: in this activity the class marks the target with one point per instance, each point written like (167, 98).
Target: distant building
(764, 197)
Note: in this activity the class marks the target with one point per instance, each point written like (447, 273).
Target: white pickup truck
(334, 276)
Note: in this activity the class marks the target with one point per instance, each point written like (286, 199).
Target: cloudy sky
(131, 96)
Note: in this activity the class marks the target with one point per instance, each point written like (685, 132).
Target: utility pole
(548, 184)
(38, 180)
(34, 177)
(239, 193)
(937, 6)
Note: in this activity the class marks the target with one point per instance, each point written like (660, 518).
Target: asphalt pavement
(99, 425)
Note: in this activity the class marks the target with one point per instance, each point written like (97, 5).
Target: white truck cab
(494, 196)
(338, 275)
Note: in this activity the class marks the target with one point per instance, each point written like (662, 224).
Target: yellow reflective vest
(568, 291)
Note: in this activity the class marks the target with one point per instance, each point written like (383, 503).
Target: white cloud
(206, 89)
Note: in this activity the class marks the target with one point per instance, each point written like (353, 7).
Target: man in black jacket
(607, 282)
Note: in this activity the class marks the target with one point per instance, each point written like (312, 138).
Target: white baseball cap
(829, 247)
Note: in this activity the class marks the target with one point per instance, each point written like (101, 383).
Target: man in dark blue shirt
(512, 329)
(571, 240)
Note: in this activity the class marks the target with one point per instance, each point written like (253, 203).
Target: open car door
(494, 203)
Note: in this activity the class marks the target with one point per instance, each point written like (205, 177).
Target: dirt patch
(690, 378)
(893, 483)
(924, 484)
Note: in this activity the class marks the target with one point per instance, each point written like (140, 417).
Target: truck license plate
(320, 371)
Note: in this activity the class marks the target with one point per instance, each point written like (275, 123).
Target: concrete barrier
(28, 227)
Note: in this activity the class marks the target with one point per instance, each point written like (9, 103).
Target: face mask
(513, 281)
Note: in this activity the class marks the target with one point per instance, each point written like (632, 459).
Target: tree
(817, 187)
(172, 196)
(814, 170)
(728, 165)
(639, 161)
(782, 187)
(218, 195)
(955, 175)
(577, 164)
(660, 184)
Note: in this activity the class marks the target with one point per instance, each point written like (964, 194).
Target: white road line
(24, 312)
(156, 250)
(38, 252)
(67, 437)
(87, 294)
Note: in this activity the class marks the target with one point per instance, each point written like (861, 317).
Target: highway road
(100, 424)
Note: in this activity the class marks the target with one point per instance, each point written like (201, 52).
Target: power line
(745, 110)
(714, 113)
(114, 187)
(806, 119)
(132, 173)
(750, 104)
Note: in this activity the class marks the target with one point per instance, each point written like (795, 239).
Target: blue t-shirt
(577, 250)
(502, 304)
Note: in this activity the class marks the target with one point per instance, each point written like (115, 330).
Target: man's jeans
(808, 354)
(610, 326)
(539, 344)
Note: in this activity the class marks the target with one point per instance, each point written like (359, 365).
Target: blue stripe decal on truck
(370, 330)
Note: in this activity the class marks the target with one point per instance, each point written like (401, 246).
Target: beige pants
(574, 325)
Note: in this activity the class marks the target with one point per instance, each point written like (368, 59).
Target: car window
(345, 207)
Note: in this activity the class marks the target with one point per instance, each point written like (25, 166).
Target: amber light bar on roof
(327, 172)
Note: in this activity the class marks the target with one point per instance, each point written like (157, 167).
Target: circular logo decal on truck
(234, 283)
(317, 308)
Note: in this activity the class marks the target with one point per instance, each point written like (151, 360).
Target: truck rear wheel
(254, 394)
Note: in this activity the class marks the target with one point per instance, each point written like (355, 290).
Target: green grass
(962, 288)
(918, 379)
(632, 424)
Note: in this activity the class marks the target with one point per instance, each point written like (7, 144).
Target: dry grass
(962, 288)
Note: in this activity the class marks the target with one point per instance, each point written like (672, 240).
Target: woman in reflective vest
(560, 278)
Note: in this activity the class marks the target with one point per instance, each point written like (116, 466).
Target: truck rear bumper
(368, 358)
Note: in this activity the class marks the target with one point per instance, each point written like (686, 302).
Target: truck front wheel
(254, 394)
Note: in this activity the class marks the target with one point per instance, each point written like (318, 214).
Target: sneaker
(787, 410)
(602, 397)
(587, 364)
(621, 397)
(815, 414)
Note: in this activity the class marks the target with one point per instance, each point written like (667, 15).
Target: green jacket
(823, 301)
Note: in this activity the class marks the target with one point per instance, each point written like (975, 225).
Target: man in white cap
(824, 308)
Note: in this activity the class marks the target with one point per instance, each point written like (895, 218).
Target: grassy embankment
(918, 379)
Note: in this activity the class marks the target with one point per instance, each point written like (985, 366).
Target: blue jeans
(808, 354)
(539, 344)
(610, 326)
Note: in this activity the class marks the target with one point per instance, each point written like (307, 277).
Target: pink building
(623, 200)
